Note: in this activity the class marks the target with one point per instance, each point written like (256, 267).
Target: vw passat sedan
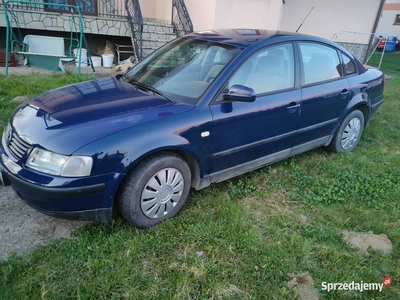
(204, 108)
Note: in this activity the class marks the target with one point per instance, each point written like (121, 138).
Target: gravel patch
(22, 228)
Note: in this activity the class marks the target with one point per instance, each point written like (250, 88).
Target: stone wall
(358, 50)
(64, 22)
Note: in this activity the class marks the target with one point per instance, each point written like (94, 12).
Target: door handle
(344, 92)
(293, 105)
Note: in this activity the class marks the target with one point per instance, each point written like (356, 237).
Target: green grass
(390, 62)
(238, 239)
(31, 85)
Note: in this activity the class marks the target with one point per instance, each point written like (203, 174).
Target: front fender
(121, 151)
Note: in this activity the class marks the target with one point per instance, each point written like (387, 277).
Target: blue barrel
(391, 44)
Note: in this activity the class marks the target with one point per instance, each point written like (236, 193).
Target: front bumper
(87, 199)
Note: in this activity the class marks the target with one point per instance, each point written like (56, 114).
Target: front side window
(269, 70)
(184, 68)
(320, 63)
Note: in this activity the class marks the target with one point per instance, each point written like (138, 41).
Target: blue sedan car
(204, 108)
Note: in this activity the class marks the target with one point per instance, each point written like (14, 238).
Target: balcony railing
(112, 8)
(180, 18)
(99, 8)
(135, 20)
(117, 9)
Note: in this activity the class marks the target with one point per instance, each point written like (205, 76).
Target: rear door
(325, 94)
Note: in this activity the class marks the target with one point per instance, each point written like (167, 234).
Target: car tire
(155, 190)
(349, 133)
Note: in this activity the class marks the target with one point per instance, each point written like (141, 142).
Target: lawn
(238, 239)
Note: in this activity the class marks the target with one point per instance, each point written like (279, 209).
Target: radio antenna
(305, 19)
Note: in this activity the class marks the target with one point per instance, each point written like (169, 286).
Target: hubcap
(351, 134)
(162, 193)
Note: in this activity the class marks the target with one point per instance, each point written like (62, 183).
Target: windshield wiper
(147, 88)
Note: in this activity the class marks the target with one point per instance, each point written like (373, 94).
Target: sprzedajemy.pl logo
(356, 286)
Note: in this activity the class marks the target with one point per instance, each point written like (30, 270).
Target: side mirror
(240, 93)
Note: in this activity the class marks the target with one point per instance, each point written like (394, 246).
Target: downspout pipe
(371, 39)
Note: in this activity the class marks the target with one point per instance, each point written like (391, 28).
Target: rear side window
(349, 65)
(320, 62)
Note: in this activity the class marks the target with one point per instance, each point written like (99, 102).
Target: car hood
(65, 119)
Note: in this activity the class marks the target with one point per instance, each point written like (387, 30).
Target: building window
(88, 7)
(397, 20)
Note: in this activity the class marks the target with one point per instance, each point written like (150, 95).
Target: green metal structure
(76, 40)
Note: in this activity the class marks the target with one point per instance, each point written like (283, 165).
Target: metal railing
(121, 9)
(112, 9)
(135, 20)
(76, 26)
(180, 18)
(100, 8)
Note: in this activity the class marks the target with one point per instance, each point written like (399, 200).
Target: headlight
(58, 164)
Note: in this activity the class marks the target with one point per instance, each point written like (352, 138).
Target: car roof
(244, 37)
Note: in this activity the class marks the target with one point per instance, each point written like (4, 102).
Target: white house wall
(330, 18)
(211, 14)
(248, 14)
(156, 9)
(202, 13)
(386, 24)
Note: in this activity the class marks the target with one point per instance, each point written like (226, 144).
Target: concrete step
(153, 44)
(147, 51)
(155, 35)
(158, 28)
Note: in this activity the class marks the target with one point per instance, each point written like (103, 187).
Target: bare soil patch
(302, 286)
(364, 241)
(22, 228)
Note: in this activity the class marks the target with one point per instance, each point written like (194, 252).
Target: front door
(249, 135)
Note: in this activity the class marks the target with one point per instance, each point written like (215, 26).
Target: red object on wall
(11, 59)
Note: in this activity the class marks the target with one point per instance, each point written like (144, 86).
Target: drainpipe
(371, 39)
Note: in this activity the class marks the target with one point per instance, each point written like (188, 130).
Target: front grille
(17, 145)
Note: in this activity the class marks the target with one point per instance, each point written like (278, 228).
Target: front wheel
(155, 190)
(349, 133)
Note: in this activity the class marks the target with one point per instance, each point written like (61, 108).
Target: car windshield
(183, 69)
